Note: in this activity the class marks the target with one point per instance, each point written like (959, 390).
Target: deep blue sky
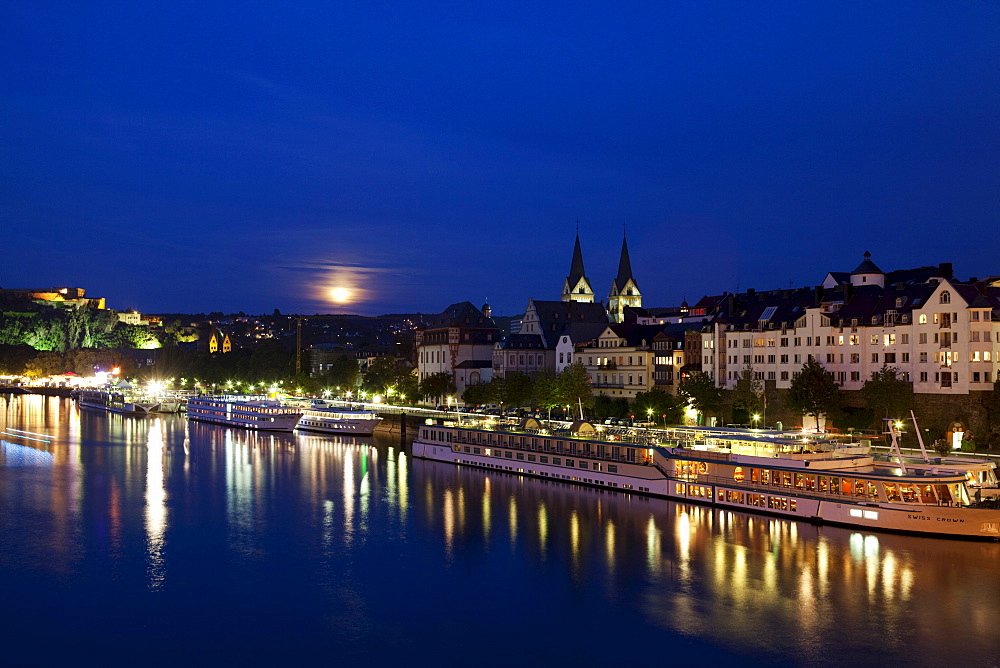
(241, 156)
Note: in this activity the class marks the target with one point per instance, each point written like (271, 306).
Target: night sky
(228, 156)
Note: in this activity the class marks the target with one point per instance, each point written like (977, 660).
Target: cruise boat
(339, 421)
(244, 411)
(736, 469)
(118, 398)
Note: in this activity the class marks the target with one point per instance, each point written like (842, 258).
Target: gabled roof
(555, 317)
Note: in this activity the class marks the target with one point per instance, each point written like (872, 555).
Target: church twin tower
(624, 289)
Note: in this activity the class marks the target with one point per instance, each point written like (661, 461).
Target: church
(624, 288)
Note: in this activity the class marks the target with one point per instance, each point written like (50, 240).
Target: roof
(624, 270)
(576, 271)
(867, 266)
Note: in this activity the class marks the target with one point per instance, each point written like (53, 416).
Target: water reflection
(156, 507)
(365, 530)
(769, 585)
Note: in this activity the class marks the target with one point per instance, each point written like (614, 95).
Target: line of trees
(45, 328)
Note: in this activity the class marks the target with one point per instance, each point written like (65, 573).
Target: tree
(406, 383)
(45, 363)
(574, 386)
(546, 391)
(659, 406)
(478, 394)
(343, 372)
(748, 393)
(813, 391)
(886, 394)
(702, 392)
(380, 375)
(515, 391)
(437, 385)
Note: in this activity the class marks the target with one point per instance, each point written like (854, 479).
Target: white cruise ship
(244, 411)
(733, 469)
(339, 421)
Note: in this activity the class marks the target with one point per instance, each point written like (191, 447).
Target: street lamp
(756, 418)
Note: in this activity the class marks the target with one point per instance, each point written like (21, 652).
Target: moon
(340, 295)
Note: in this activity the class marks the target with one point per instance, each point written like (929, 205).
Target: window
(906, 357)
(905, 339)
(875, 358)
(855, 376)
(784, 375)
(923, 319)
(855, 358)
(945, 297)
(923, 376)
(854, 340)
(784, 359)
(923, 337)
(874, 339)
(889, 340)
(890, 358)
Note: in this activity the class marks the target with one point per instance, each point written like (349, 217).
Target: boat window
(908, 494)
(823, 484)
(859, 488)
(890, 491)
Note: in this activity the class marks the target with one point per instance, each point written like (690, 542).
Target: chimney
(946, 270)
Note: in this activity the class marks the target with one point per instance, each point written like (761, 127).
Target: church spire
(624, 267)
(624, 289)
(577, 287)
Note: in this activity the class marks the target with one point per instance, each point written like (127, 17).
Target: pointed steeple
(624, 268)
(577, 288)
(624, 288)
(576, 271)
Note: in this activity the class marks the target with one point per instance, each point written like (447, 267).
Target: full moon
(340, 295)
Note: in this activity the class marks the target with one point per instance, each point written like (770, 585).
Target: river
(154, 541)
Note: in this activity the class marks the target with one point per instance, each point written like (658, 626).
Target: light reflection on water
(161, 505)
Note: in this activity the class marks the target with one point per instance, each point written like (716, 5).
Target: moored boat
(244, 411)
(118, 398)
(339, 421)
(741, 470)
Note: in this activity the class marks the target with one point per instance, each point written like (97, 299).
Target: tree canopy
(887, 395)
(701, 390)
(813, 391)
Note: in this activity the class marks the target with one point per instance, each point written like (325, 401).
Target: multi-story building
(939, 333)
(459, 341)
(621, 361)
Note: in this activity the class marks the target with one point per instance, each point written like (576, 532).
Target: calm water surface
(137, 541)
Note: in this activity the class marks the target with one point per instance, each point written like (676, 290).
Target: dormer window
(899, 302)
